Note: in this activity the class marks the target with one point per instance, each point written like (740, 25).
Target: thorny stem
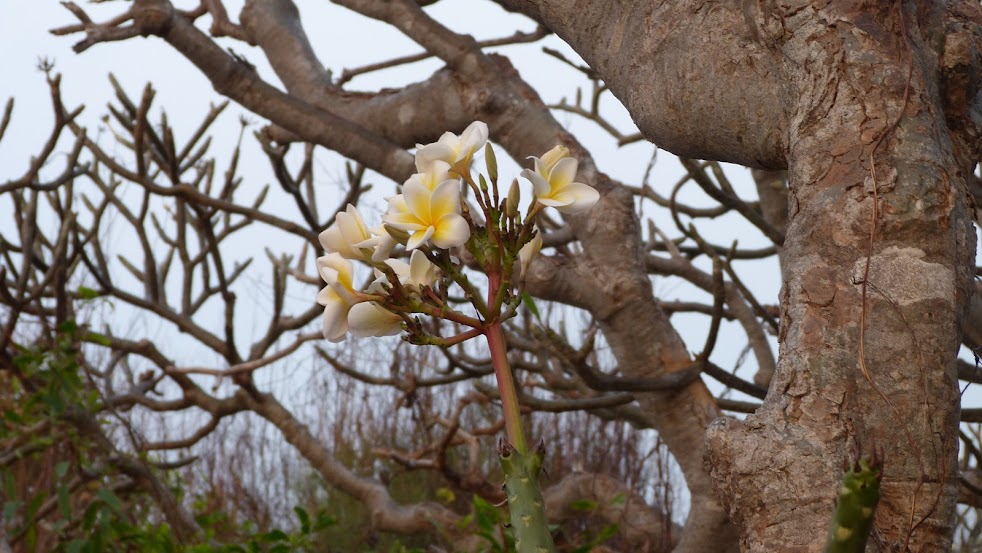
(502, 373)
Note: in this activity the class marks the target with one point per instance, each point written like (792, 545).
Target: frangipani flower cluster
(429, 218)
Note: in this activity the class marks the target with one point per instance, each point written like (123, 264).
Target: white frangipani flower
(338, 296)
(427, 215)
(346, 235)
(370, 318)
(416, 274)
(451, 148)
(552, 181)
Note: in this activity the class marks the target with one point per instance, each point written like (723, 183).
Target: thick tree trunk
(862, 365)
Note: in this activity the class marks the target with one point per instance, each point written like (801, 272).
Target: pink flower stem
(502, 372)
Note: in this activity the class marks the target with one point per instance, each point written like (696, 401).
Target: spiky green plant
(525, 503)
(855, 506)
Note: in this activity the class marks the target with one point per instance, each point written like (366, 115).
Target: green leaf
(10, 508)
(275, 535)
(96, 338)
(13, 416)
(618, 499)
(486, 515)
(583, 505)
(445, 495)
(304, 519)
(324, 520)
(529, 304)
(61, 469)
(608, 532)
(110, 499)
(87, 293)
(67, 327)
(64, 507)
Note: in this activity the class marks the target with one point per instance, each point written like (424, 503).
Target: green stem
(525, 504)
(521, 467)
(856, 503)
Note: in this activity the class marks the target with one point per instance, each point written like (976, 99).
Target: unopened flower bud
(514, 196)
(399, 235)
(491, 162)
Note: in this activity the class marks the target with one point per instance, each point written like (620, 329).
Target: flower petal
(528, 252)
(444, 199)
(553, 202)
(563, 173)
(400, 267)
(326, 295)
(405, 221)
(430, 153)
(348, 229)
(335, 322)
(549, 159)
(578, 197)
(417, 198)
(370, 319)
(383, 245)
(332, 240)
(422, 272)
(439, 172)
(419, 238)
(473, 138)
(352, 226)
(451, 230)
(540, 186)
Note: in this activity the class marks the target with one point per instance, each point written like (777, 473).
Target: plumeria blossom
(370, 318)
(338, 296)
(347, 235)
(416, 274)
(429, 211)
(552, 181)
(451, 148)
(427, 215)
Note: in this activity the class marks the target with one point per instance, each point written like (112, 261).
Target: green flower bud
(399, 235)
(491, 162)
(514, 196)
